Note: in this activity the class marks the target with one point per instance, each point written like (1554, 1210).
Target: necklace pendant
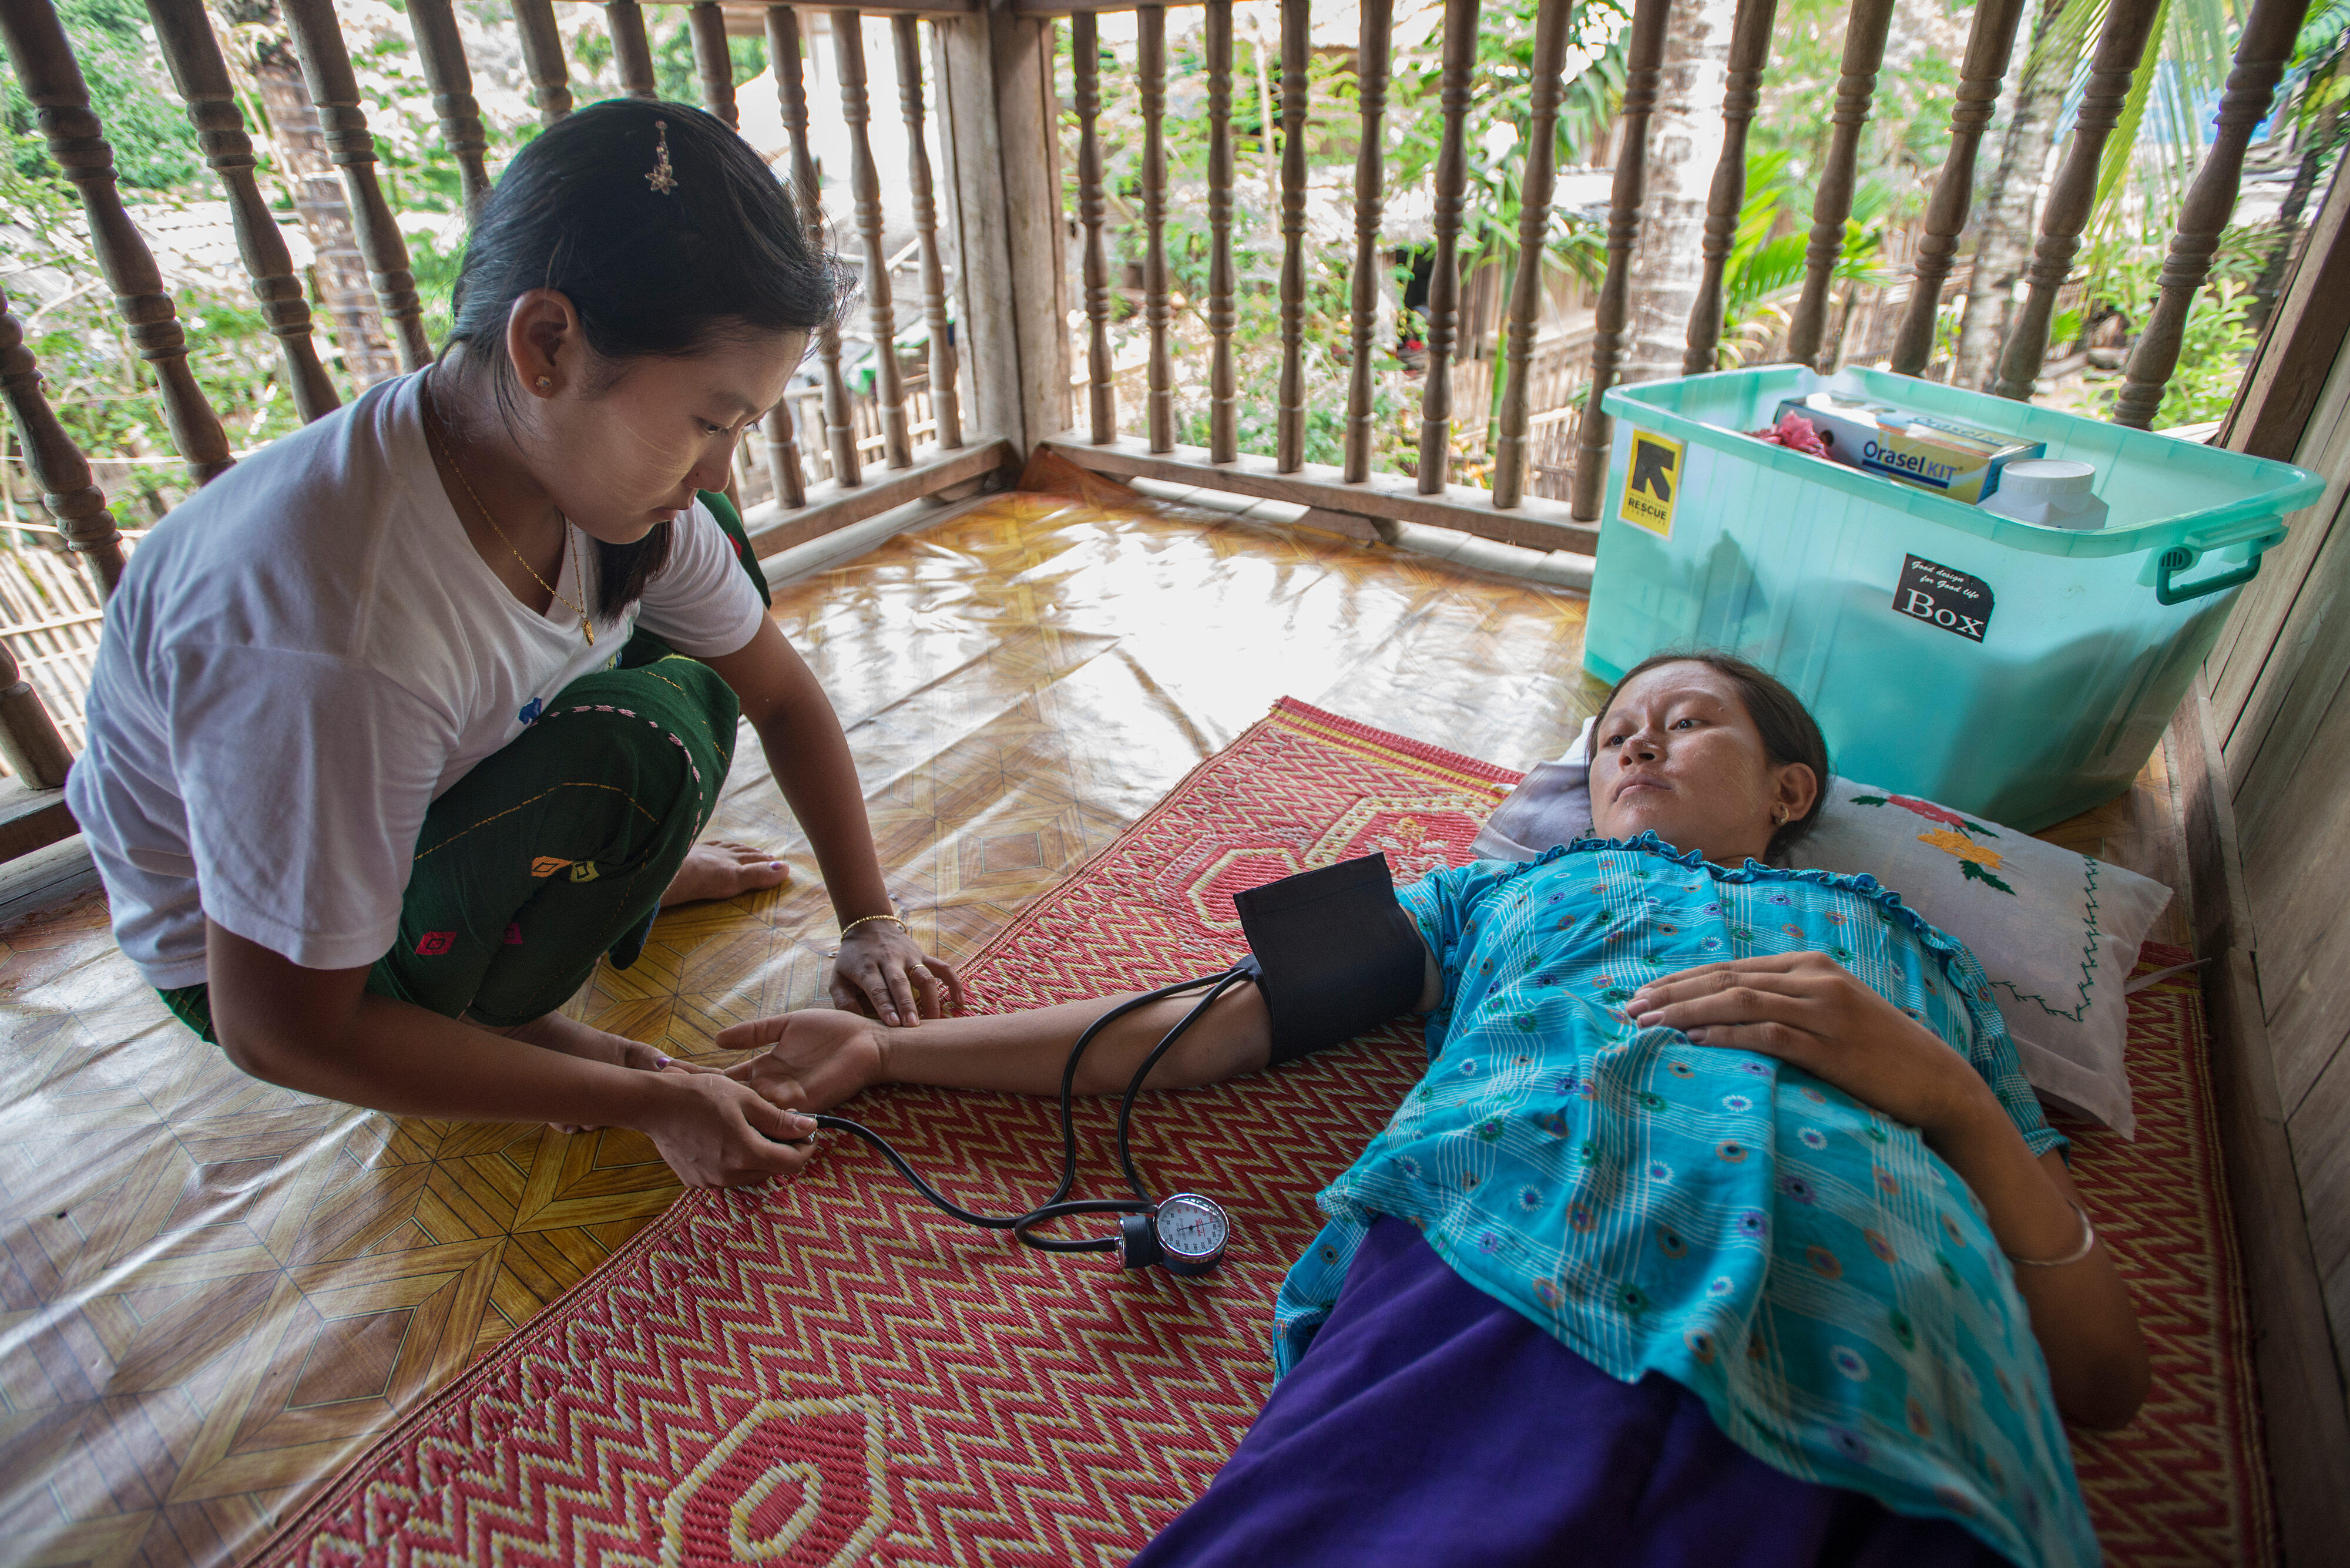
(589, 628)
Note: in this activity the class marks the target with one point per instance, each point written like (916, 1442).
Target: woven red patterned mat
(831, 1372)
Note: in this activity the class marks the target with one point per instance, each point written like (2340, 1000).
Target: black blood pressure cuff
(1333, 952)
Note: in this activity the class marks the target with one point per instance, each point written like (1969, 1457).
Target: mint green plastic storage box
(2018, 673)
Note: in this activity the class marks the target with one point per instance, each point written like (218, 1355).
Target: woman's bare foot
(555, 1032)
(722, 869)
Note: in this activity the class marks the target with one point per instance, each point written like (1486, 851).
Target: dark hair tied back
(1790, 734)
(650, 273)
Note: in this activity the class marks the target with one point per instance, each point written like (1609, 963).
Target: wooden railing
(1507, 510)
(1000, 360)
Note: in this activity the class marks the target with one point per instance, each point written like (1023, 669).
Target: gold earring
(544, 383)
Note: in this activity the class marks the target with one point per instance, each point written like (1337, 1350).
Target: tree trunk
(1684, 145)
(2004, 216)
(345, 296)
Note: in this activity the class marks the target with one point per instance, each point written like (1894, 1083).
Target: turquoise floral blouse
(1804, 1263)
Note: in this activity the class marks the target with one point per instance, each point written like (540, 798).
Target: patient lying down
(1722, 1227)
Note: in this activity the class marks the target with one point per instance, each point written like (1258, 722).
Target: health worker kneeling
(403, 723)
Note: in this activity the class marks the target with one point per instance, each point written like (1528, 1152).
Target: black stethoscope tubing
(1059, 1204)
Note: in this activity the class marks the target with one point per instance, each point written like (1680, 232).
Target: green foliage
(673, 68)
(2211, 355)
(154, 148)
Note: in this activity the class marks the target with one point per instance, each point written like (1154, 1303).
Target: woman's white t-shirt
(299, 659)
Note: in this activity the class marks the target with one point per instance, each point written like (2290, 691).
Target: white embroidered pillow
(2056, 932)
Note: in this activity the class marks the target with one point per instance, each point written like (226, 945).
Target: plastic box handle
(2179, 558)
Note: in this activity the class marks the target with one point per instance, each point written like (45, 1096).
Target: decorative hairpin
(663, 178)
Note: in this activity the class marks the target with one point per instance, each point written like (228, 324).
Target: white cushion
(2057, 932)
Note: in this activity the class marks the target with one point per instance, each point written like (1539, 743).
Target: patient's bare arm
(819, 1057)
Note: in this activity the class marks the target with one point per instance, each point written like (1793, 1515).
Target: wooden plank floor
(213, 1292)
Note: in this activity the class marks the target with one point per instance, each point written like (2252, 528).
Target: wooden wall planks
(2273, 810)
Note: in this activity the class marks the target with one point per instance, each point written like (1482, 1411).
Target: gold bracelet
(2088, 1244)
(868, 920)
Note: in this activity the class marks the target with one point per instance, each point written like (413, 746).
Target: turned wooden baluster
(1990, 41)
(1372, 54)
(36, 753)
(50, 77)
(2261, 55)
(784, 468)
(1224, 396)
(334, 90)
(1085, 56)
(1444, 276)
(1864, 51)
(791, 94)
(1643, 56)
(865, 184)
(946, 405)
(542, 58)
(201, 76)
(1150, 54)
(443, 49)
(1750, 51)
(1526, 291)
(632, 53)
(2128, 25)
(712, 61)
(56, 464)
(1296, 35)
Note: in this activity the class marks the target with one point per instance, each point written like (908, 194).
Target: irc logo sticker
(1653, 485)
(1944, 596)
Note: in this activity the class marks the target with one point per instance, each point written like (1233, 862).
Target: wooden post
(36, 753)
(441, 49)
(1150, 71)
(2260, 57)
(2128, 24)
(632, 53)
(712, 63)
(1990, 41)
(55, 463)
(542, 58)
(1750, 51)
(791, 93)
(334, 90)
(201, 76)
(1864, 52)
(1373, 52)
(50, 77)
(865, 183)
(1297, 37)
(946, 407)
(1000, 142)
(1224, 396)
(1643, 56)
(1444, 276)
(1524, 318)
(1085, 57)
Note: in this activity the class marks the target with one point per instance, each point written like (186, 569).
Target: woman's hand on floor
(1809, 1009)
(814, 1058)
(882, 972)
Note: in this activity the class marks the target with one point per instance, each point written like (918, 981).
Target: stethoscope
(1184, 1233)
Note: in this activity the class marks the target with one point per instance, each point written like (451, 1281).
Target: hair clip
(663, 178)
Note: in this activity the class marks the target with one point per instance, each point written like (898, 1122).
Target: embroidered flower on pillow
(1956, 838)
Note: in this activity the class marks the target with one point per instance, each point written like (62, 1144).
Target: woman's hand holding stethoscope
(882, 972)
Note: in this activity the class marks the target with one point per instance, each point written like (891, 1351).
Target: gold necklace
(578, 577)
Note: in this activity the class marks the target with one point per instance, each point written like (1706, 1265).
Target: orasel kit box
(1933, 453)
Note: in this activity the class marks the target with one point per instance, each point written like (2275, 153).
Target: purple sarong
(1429, 1423)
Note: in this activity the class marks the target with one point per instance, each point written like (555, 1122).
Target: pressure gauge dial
(1191, 1232)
